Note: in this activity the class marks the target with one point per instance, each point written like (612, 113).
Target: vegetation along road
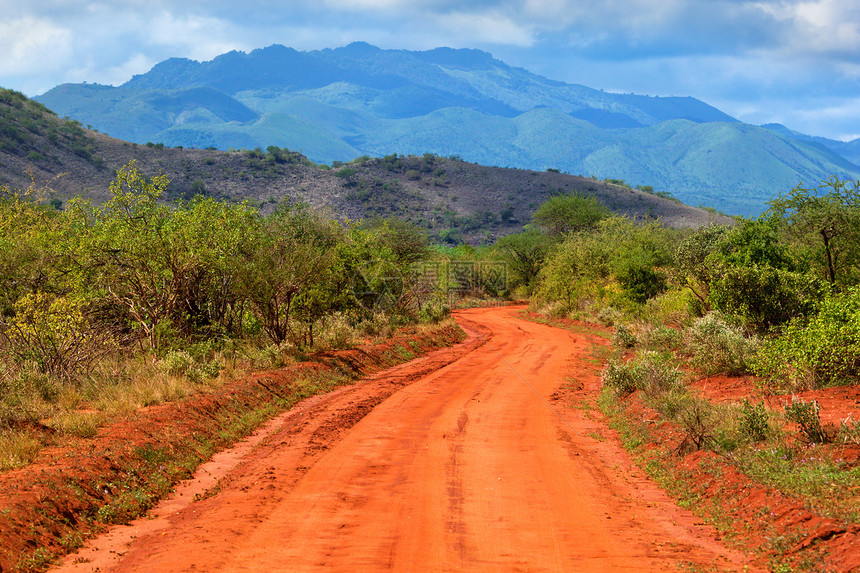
(491, 463)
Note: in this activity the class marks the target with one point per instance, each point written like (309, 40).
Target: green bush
(660, 338)
(652, 372)
(819, 351)
(718, 347)
(54, 334)
(765, 297)
(642, 282)
(177, 363)
(623, 378)
(755, 422)
(623, 337)
(563, 214)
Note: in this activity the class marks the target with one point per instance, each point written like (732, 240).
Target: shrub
(623, 337)
(608, 315)
(563, 214)
(660, 338)
(345, 173)
(661, 374)
(765, 297)
(671, 307)
(434, 311)
(754, 422)
(641, 282)
(718, 347)
(806, 416)
(822, 350)
(652, 372)
(335, 332)
(671, 403)
(623, 378)
(698, 420)
(177, 363)
(53, 333)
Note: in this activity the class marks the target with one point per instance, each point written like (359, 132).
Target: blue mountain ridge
(337, 104)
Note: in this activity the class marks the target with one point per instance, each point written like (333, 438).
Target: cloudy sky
(795, 62)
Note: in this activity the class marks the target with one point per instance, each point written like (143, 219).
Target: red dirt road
(481, 465)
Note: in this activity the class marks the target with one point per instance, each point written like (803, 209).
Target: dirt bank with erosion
(494, 461)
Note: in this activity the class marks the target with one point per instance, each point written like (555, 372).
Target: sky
(795, 62)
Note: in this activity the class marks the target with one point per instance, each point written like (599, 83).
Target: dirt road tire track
(468, 459)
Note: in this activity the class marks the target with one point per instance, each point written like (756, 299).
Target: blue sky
(795, 62)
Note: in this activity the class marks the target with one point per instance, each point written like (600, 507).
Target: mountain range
(339, 104)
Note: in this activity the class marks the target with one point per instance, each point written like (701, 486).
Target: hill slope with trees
(449, 198)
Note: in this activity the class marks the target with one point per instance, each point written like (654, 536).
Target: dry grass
(121, 384)
(17, 448)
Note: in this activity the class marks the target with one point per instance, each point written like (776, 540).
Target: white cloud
(818, 26)
(359, 5)
(194, 36)
(486, 27)
(31, 44)
(115, 75)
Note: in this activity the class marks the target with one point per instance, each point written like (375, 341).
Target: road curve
(485, 464)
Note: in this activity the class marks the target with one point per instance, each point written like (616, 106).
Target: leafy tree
(292, 253)
(165, 271)
(28, 234)
(563, 214)
(124, 255)
(407, 242)
(575, 268)
(209, 235)
(524, 254)
(691, 261)
(641, 281)
(754, 242)
(628, 250)
(821, 349)
(718, 256)
(823, 225)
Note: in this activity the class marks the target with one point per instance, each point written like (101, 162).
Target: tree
(574, 268)
(404, 239)
(292, 253)
(824, 226)
(524, 253)
(563, 214)
(164, 271)
(209, 236)
(28, 236)
(691, 258)
(124, 255)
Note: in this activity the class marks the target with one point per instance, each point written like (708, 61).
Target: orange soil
(480, 465)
